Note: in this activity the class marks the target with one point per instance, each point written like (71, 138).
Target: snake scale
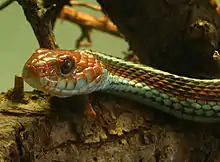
(65, 73)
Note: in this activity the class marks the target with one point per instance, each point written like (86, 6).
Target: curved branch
(5, 4)
(103, 23)
(90, 6)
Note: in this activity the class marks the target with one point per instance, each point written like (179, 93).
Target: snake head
(63, 73)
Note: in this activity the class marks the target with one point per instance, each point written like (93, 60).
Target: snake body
(64, 73)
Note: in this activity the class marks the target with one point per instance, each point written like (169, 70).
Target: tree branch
(40, 20)
(5, 4)
(87, 23)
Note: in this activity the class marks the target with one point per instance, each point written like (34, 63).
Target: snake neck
(192, 99)
(123, 75)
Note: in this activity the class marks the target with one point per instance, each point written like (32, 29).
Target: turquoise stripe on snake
(65, 73)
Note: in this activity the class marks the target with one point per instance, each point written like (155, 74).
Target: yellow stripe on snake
(65, 73)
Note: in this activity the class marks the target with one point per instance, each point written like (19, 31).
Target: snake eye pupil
(66, 66)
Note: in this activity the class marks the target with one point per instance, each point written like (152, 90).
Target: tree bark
(178, 36)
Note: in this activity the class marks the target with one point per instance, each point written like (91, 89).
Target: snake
(65, 73)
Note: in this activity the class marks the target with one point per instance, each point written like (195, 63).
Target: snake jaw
(31, 76)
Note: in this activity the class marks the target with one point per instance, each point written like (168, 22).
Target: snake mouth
(31, 76)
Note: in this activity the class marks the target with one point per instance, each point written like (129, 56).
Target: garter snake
(64, 73)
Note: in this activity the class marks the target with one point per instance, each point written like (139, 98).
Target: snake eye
(67, 66)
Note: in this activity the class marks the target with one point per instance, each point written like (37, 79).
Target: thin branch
(17, 93)
(58, 6)
(40, 20)
(90, 6)
(88, 22)
(5, 4)
(85, 34)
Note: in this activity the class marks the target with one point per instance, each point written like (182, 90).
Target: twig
(58, 6)
(91, 6)
(5, 4)
(17, 93)
(85, 34)
(88, 22)
(41, 19)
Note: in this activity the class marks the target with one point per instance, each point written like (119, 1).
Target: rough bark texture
(166, 34)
